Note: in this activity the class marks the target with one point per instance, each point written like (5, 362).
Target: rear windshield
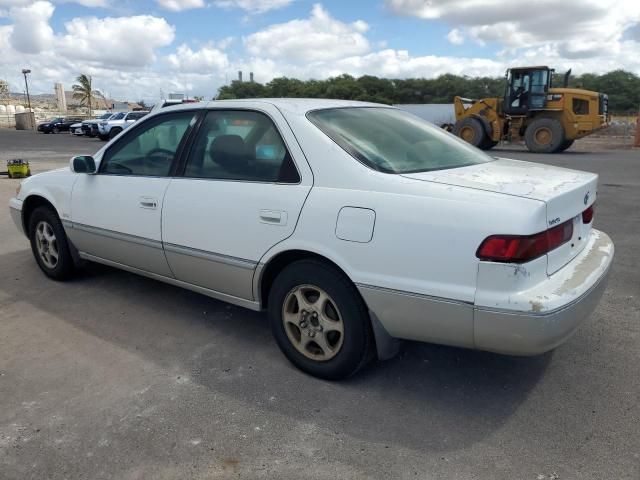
(392, 141)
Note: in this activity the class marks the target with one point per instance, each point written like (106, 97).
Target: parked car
(353, 224)
(76, 129)
(57, 125)
(90, 127)
(171, 102)
(114, 125)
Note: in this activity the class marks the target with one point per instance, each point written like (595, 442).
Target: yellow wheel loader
(549, 119)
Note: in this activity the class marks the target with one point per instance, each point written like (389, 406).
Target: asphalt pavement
(115, 376)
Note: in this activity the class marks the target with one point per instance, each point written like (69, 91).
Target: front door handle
(274, 217)
(148, 202)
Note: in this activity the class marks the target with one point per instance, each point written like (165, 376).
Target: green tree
(82, 90)
(622, 87)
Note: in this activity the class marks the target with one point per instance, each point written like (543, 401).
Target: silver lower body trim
(172, 281)
(412, 316)
(16, 216)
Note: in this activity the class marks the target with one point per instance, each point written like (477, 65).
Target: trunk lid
(566, 193)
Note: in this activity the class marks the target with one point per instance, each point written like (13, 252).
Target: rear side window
(148, 150)
(240, 145)
(392, 141)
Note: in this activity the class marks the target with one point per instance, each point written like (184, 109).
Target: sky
(142, 49)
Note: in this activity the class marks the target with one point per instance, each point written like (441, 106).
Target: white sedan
(353, 224)
(76, 129)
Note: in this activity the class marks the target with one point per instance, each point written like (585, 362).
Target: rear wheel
(544, 135)
(49, 244)
(114, 132)
(56, 130)
(471, 131)
(319, 320)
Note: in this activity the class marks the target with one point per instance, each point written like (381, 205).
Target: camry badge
(586, 198)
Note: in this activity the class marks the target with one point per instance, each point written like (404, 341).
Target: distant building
(61, 99)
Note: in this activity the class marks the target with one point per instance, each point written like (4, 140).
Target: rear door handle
(148, 202)
(274, 217)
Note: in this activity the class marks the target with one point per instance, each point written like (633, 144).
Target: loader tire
(544, 135)
(565, 146)
(471, 131)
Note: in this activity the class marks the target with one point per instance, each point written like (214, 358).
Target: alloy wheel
(313, 322)
(47, 244)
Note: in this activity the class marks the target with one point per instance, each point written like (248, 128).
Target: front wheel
(49, 244)
(471, 131)
(319, 320)
(56, 130)
(565, 145)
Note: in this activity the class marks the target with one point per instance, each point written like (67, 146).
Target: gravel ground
(117, 376)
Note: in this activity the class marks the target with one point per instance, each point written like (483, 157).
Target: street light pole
(26, 71)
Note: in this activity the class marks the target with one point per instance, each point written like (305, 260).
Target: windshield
(392, 141)
(104, 116)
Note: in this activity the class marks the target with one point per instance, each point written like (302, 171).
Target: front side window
(240, 145)
(149, 150)
(392, 141)
(118, 116)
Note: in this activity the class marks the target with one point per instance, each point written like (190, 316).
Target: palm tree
(82, 90)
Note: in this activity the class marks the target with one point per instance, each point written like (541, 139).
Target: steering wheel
(162, 151)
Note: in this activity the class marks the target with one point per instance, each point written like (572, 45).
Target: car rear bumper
(15, 208)
(556, 306)
(540, 318)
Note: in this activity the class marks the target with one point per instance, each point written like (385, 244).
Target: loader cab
(526, 89)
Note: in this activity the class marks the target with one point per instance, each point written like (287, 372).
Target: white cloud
(205, 60)
(14, 3)
(31, 32)
(456, 37)
(253, 6)
(120, 41)
(89, 3)
(318, 38)
(179, 5)
(575, 28)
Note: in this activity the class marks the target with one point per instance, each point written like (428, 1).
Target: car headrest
(229, 151)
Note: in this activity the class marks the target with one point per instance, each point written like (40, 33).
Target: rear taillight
(520, 249)
(587, 215)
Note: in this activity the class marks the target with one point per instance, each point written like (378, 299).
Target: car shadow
(444, 398)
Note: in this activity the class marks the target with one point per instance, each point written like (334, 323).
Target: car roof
(299, 106)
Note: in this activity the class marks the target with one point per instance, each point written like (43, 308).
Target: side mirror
(83, 164)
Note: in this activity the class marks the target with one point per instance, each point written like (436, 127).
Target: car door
(115, 214)
(242, 189)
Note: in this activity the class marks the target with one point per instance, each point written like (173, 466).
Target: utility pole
(26, 71)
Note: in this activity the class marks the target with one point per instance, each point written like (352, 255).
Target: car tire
(56, 130)
(48, 239)
(471, 130)
(544, 135)
(565, 145)
(331, 341)
(114, 132)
